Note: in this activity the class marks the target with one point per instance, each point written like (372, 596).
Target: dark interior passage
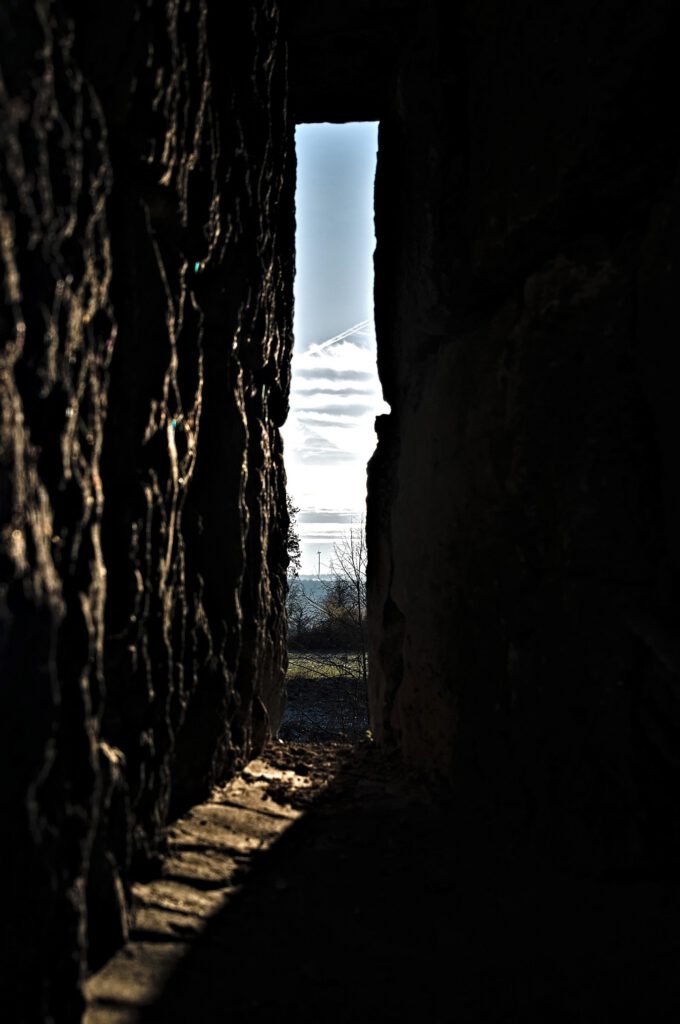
(523, 500)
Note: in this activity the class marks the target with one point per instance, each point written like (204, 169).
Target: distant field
(325, 697)
(323, 665)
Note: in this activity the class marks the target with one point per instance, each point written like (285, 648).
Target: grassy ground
(326, 697)
(324, 665)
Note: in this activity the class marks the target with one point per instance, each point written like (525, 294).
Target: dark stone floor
(372, 907)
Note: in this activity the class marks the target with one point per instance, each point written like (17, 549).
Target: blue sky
(335, 239)
(335, 394)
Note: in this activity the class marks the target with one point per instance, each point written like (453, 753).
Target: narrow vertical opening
(329, 436)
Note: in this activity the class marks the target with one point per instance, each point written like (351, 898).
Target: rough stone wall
(523, 502)
(145, 294)
(344, 56)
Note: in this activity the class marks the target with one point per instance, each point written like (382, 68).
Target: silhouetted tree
(293, 541)
(348, 590)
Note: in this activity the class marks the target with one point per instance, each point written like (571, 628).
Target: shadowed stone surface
(523, 501)
(344, 58)
(209, 855)
(372, 907)
(523, 569)
(146, 257)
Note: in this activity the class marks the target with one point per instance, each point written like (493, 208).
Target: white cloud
(329, 435)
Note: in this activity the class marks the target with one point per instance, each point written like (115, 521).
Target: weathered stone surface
(209, 855)
(372, 907)
(146, 251)
(523, 576)
(523, 500)
(56, 325)
(344, 57)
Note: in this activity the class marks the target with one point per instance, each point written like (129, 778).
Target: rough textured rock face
(146, 248)
(524, 498)
(345, 56)
(523, 554)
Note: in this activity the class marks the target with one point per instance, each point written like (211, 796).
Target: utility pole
(319, 554)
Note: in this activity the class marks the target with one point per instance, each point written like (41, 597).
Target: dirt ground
(324, 710)
(325, 885)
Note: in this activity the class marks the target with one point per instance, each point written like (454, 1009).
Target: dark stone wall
(523, 501)
(345, 56)
(145, 297)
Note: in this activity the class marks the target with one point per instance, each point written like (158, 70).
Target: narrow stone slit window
(330, 435)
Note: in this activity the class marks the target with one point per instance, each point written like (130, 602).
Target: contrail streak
(357, 329)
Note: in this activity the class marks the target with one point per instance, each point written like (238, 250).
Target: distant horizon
(322, 536)
(312, 575)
